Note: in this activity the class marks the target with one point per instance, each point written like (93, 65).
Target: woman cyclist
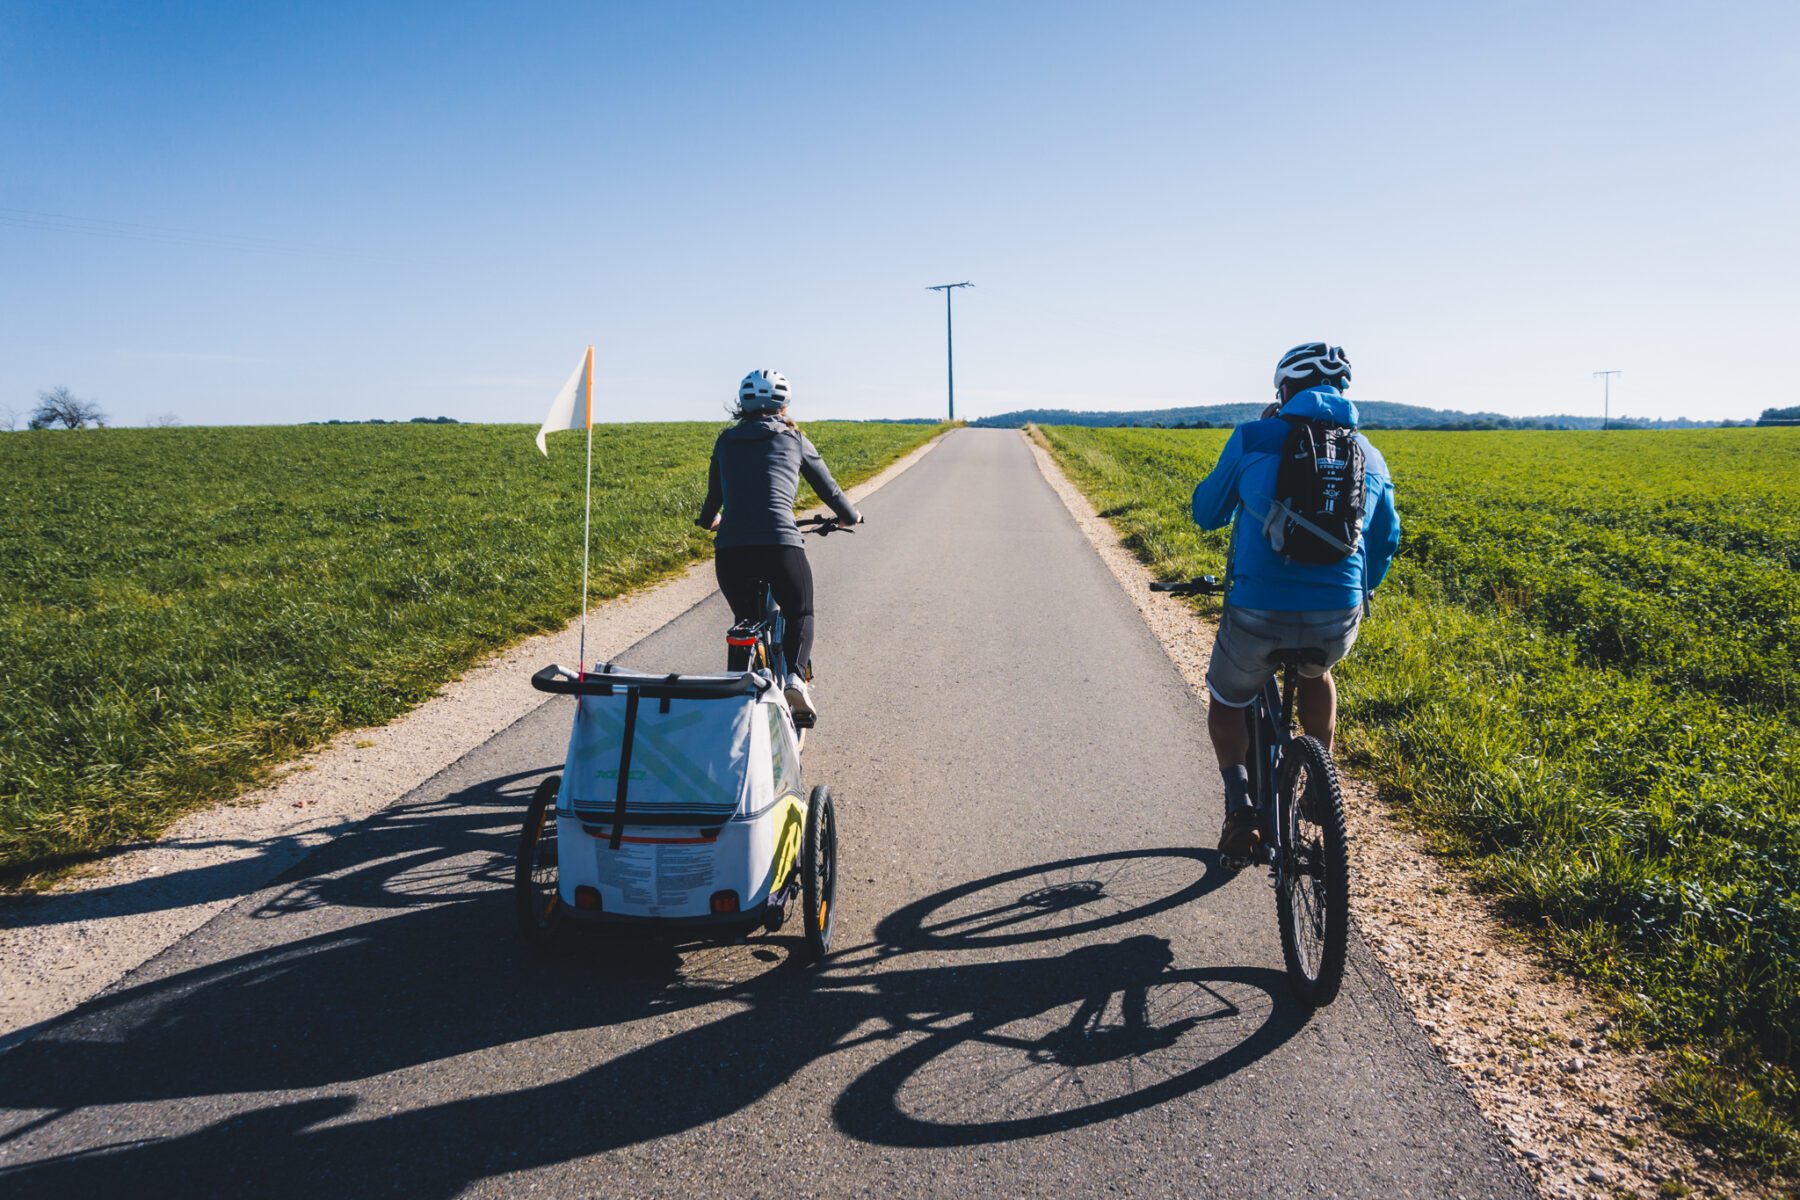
(756, 469)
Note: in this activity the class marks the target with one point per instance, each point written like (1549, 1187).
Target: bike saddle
(1310, 656)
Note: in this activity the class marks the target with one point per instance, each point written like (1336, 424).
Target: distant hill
(1375, 414)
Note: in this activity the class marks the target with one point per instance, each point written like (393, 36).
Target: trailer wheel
(818, 873)
(535, 879)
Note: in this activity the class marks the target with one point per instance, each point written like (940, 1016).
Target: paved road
(1025, 804)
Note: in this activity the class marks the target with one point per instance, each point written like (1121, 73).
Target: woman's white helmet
(763, 391)
(1313, 361)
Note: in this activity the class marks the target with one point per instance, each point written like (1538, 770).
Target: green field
(1582, 677)
(180, 609)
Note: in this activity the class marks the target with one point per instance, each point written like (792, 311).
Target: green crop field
(182, 608)
(1582, 676)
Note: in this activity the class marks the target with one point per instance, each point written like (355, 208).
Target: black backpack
(1317, 515)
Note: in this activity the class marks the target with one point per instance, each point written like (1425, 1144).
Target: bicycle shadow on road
(276, 858)
(436, 986)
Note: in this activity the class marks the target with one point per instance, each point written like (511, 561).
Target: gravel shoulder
(64, 945)
(1531, 1046)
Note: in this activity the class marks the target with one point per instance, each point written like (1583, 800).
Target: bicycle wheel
(535, 880)
(1059, 1056)
(818, 872)
(1314, 896)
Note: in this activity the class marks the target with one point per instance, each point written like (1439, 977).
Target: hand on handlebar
(825, 526)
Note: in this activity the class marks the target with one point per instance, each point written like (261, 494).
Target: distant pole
(950, 339)
(1606, 412)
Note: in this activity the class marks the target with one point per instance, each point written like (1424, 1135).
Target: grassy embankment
(181, 609)
(1582, 675)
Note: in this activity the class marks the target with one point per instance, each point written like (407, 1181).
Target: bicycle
(754, 644)
(1294, 784)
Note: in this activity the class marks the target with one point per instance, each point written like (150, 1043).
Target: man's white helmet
(763, 391)
(1313, 360)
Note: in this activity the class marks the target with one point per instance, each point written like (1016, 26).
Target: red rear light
(587, 898)
(724, 902)
(749, 641)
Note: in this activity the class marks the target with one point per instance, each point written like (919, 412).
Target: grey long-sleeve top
(755, 474)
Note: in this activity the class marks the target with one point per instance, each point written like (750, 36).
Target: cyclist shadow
(976, 1049)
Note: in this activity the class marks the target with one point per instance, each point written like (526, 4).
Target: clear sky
(266, 213)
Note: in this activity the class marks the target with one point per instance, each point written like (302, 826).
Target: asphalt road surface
(1027, 808)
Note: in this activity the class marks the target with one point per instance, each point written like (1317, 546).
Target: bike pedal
(1234, 865)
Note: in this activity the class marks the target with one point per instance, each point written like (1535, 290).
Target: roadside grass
(181, 609)
(1582, 677)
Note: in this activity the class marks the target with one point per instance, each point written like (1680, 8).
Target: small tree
(162, 420)
(60, 406)
(9, 418)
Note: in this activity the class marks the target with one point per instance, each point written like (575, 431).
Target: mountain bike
(1294, 784)
(754, 644)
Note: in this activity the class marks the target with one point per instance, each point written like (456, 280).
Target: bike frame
(765, 629)
(1271, 733)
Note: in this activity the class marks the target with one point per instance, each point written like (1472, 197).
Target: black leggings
(742, 572)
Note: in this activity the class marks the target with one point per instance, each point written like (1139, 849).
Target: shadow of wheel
(1072, 1064)
(1053, 900)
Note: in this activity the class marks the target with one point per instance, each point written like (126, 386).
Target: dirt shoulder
(1531, 1046)
(64, 945)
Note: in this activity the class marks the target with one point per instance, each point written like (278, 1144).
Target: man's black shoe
(1241, 837)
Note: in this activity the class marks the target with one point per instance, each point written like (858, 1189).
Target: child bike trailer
(680, 807)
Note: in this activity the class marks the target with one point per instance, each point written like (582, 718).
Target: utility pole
(950, 338)
(1606, 418)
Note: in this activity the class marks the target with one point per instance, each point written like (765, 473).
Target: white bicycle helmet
(1313, 360)
(763, 391)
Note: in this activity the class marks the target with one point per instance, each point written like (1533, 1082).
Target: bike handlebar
(1205, 585)
(824, 526)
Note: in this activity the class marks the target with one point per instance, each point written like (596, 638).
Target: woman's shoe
(799, 697)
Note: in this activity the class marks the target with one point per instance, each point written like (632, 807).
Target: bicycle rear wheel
(1314, 895)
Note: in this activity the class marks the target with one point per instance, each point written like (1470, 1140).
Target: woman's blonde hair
(780, 414)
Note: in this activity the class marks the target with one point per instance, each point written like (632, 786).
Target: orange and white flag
(573, 407)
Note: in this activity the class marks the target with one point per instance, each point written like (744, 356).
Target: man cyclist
(757, 465)
(1274, 602)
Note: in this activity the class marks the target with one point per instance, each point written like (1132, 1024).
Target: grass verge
(1582, 678)
(181, 609)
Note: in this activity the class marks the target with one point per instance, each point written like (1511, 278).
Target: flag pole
(587, 516)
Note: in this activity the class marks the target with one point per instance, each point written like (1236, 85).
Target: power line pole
(950, 338)
(1606, 418)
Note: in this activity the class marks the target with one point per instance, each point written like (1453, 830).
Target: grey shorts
(1243, 653)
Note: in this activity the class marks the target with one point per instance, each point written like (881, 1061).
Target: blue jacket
(1245, 478)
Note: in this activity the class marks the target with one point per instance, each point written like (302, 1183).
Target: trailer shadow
(285, 856)
(433, 987)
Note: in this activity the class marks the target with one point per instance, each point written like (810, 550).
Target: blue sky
(425, 209)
